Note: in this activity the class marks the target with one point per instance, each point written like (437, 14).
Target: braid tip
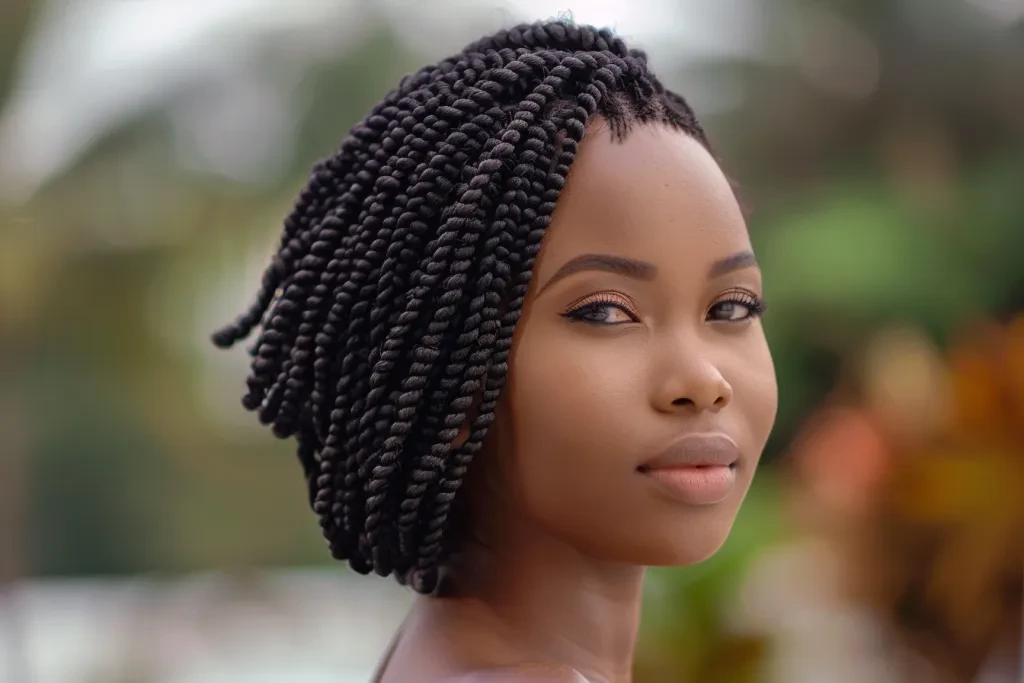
(251, 402)
(283, 429)
(425, 581)
(224, 338)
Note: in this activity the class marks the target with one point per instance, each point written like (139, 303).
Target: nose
(692, 382)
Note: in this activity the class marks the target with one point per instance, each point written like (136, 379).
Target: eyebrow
(738, 261)
(638, 270)
(642, 270)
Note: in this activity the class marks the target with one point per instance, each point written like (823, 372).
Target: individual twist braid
(387, 315)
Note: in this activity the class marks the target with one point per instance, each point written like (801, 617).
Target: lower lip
(704, 485)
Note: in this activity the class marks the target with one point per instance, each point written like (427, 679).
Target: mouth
(698, 469)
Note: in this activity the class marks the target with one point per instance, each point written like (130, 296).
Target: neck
(525, 596)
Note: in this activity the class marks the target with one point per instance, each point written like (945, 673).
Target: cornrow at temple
(386, 316)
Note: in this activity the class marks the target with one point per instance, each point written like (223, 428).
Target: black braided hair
(387, 314)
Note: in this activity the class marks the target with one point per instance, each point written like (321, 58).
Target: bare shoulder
(525, 673)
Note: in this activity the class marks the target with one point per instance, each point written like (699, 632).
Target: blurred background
(152, 532)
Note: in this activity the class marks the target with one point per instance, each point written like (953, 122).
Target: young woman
(514, 327)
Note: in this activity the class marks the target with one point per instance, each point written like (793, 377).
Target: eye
(601, 309)
(737, 306)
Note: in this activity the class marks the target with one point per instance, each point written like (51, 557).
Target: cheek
(570, 395)
(758, 394)
(567, 386)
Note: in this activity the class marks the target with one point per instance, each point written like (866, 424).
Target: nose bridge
(688, 374)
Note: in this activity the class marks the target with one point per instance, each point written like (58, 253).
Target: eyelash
(753, 303)
(578, 311)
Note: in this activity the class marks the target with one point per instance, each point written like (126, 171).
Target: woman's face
(641, 391)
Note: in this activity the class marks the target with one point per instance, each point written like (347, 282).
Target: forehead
(657, 195)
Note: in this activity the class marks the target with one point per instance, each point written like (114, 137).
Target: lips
(698, 469)
(696, 450)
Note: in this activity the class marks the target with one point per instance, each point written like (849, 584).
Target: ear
(463, 436)
(467, 424)
(474, 410)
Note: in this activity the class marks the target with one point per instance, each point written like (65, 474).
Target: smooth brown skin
(549, 586)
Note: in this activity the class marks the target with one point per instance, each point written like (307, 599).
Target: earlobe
(463, 435)
(467, 423)
(470, 417)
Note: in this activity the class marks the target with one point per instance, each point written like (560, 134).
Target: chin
(690, 555)
(688, 542)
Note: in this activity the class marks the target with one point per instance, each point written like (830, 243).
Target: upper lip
(696, 450)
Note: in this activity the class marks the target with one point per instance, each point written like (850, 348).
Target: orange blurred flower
(951, 557)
